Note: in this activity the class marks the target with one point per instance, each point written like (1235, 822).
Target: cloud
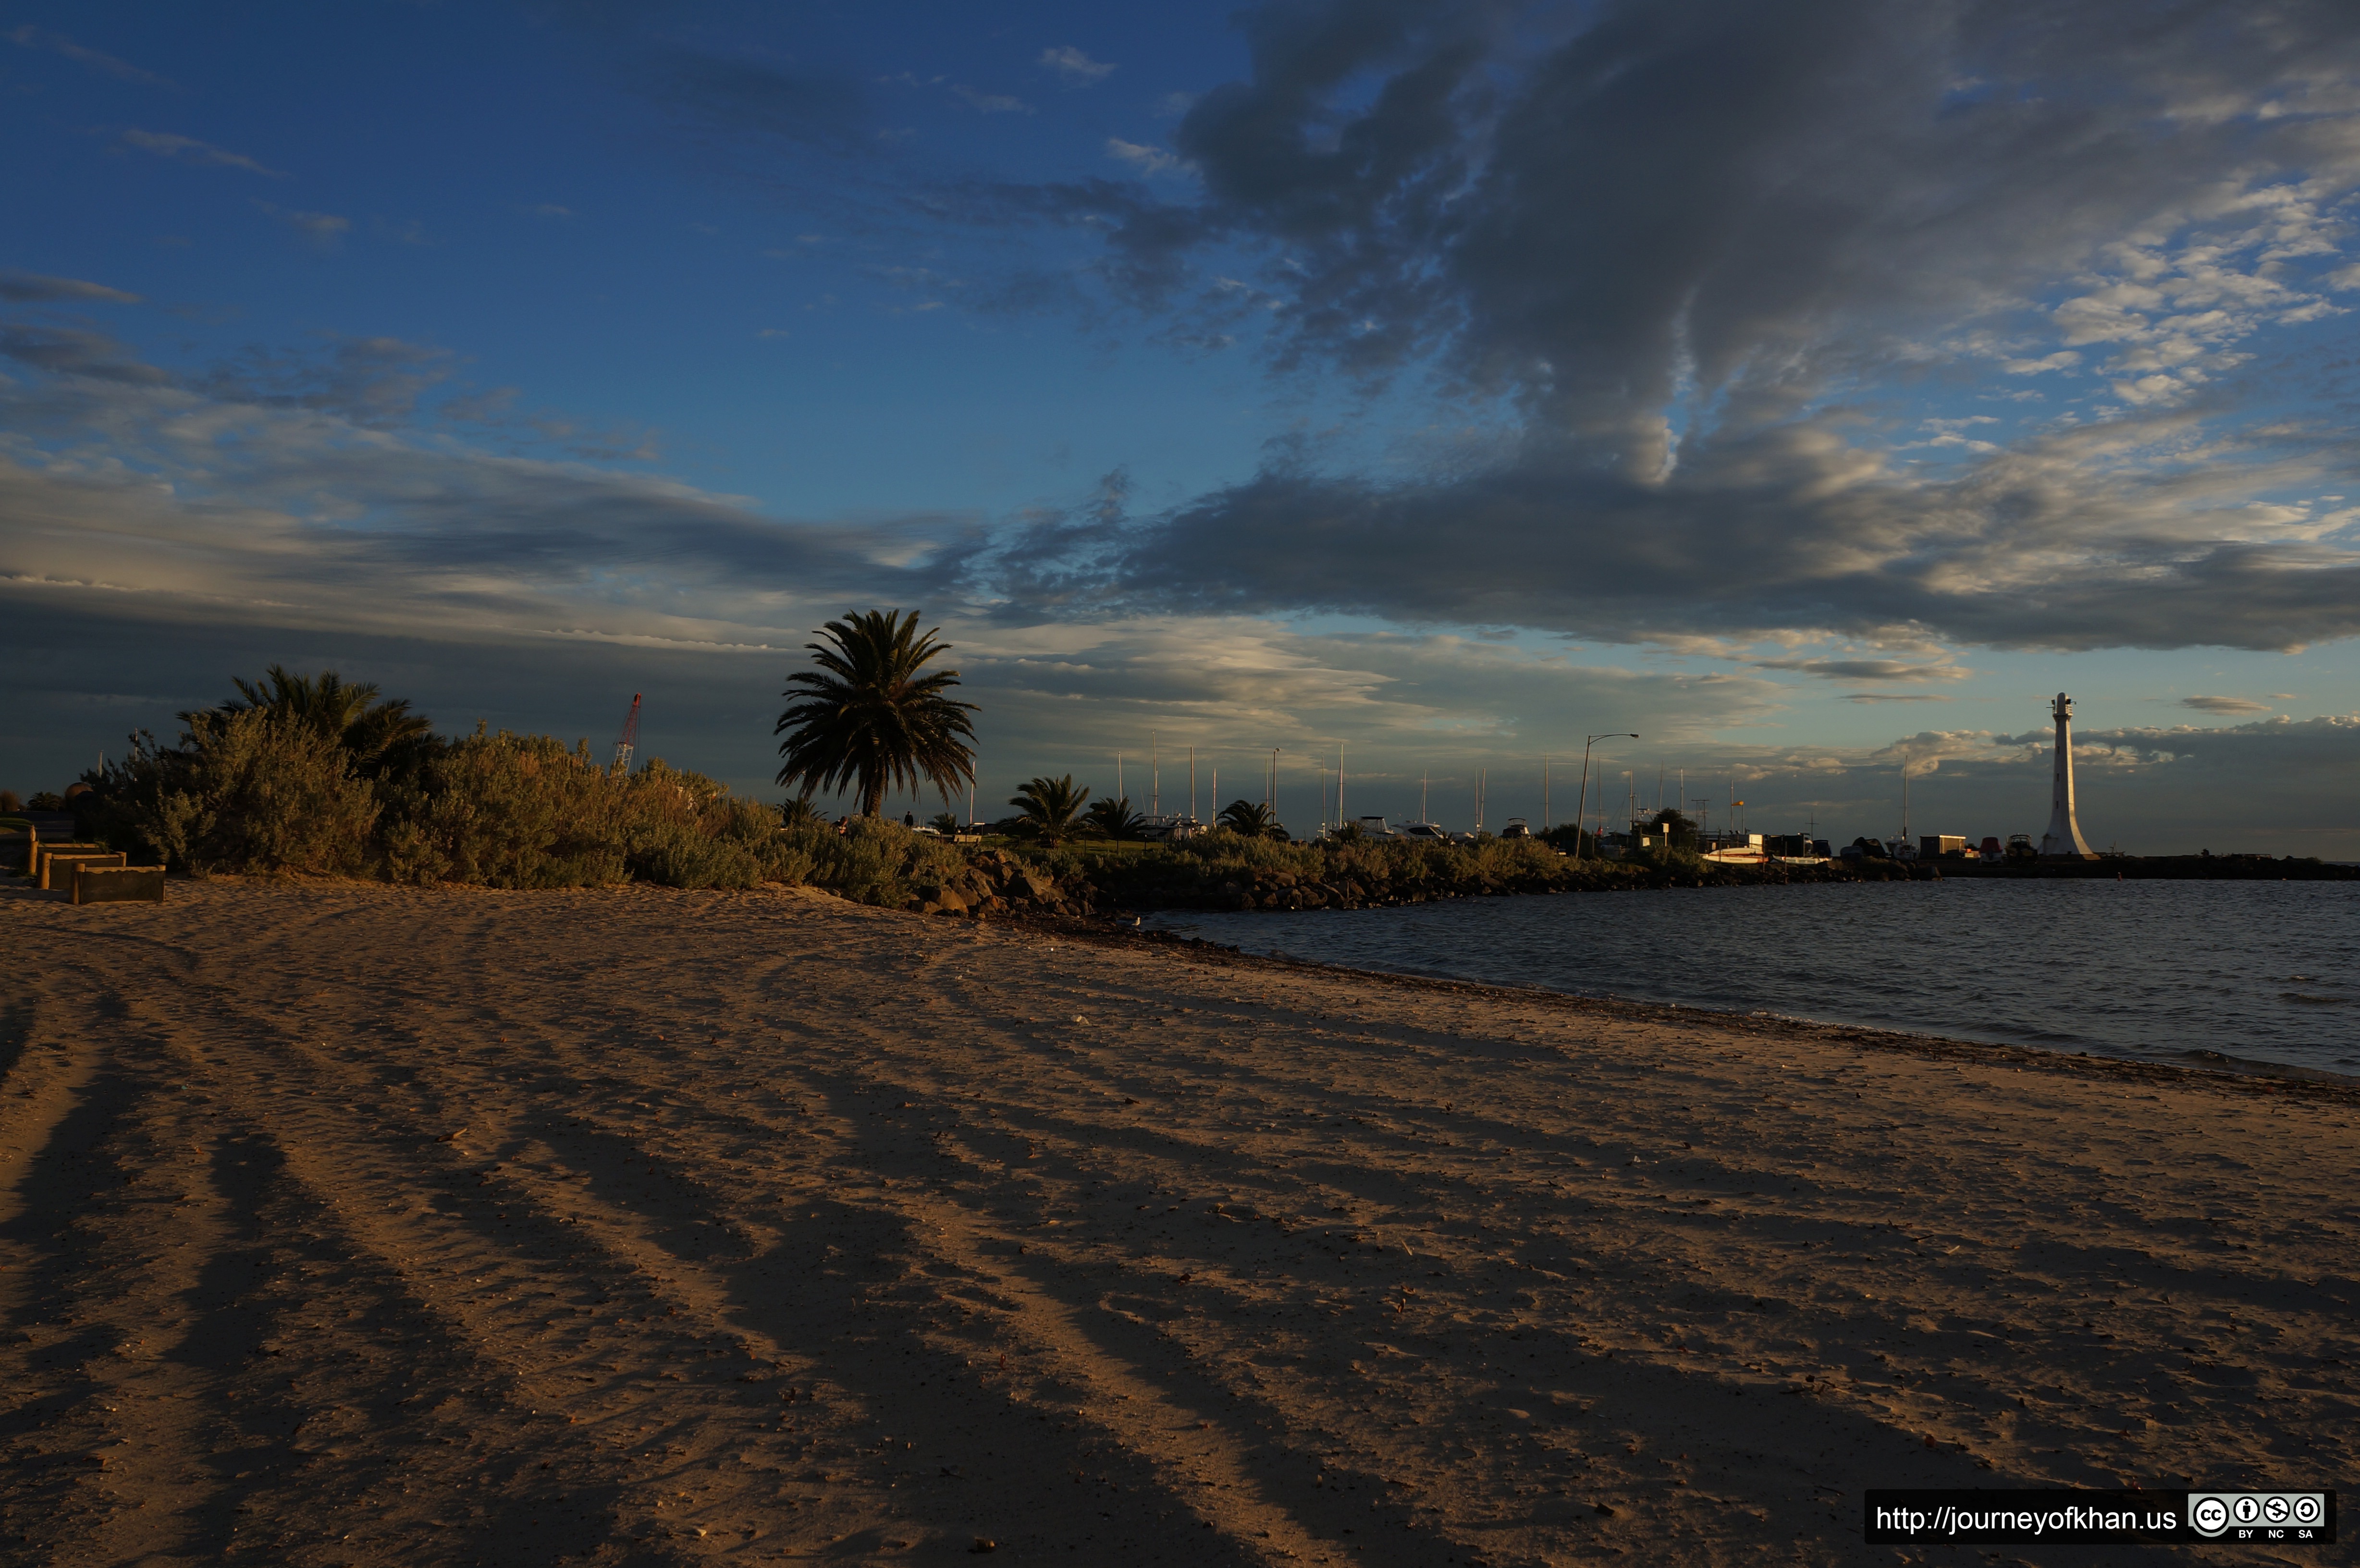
(1710, 262)
(1789, 532)
(1079, 69)
(548, 209)
(70, 353)
(188, 149)
(1146, 159)
(257, 498)
(1864, 669)
(2063, 359)
(29, 37)
(990, 103)
(373, 382)
(31, 287)
(2224, 705)
(324, 230)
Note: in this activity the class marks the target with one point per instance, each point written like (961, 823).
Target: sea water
(2185, 972)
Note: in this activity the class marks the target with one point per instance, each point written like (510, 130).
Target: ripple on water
(2155, 969)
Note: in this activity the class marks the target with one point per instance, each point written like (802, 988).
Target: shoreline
(2235, 1068)
(384, 1227)
(2196, 1059)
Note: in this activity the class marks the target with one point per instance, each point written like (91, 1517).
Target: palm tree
(1115, 819)
(382, 736)
(872, 716)
(1249, 819)
(1048, 806)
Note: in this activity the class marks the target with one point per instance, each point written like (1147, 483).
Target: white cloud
(29, 37)
(1076, 67)
(324, 230)
(188, 149)
(1147, 160)
(2063, 359)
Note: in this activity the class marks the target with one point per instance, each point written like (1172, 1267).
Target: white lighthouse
(2063, 840)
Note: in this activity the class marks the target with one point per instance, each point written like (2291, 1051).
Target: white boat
(1735, 849)
(1170, 827)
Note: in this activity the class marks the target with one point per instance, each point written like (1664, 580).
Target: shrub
(259, 794)
(877, 861)
(506, 811)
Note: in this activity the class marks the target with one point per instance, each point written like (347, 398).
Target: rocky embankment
(997, 882)
(1006, 882)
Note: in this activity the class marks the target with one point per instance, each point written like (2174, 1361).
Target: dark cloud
(1864, 669)
(63, 351)
(1710, 253)
(2224, 704)
(375, 381)
(31, 287)
(2032, 551)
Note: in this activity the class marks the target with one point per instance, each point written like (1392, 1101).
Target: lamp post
(1580, 810)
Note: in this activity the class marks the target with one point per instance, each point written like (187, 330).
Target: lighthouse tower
(2063, 839)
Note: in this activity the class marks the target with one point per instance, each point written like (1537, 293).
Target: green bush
(255, 791)
(506, 811)
(260, 794)
(880, 862)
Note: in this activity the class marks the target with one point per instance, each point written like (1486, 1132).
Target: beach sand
(351, 1225)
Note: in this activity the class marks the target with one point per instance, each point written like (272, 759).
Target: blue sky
(1812, 393)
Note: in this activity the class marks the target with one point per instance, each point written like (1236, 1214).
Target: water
(2260, 972)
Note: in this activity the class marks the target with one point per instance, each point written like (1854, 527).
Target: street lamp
(1582, 810)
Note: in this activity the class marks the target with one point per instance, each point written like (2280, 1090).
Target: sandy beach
(349, 1224)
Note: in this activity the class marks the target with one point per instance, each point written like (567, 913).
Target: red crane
(630, 741)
